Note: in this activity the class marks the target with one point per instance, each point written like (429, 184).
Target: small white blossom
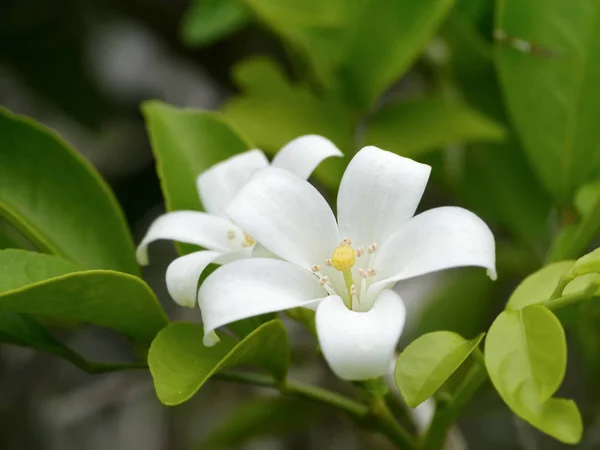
(213, 230)
(343, 268)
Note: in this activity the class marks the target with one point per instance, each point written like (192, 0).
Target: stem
(377, 417)
(560, 287)
(299, 390)
(446, 413)
(470, 385)
(570, 299)
(587, 231)
(104, 367)
(384, 421)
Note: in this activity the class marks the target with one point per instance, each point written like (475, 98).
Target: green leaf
(244, 327)
(496, 180)
(272, 112)
(185, 142)
(207, 21)
(585, 265)
(526, 358)
(38, 284)
(558, 80)
(57, 199)
(19, 268)
(315, 31)
(428, 362)
(266, 416)
(180, 364)
(25, 331)
(387, 38)
(557, 417)
(410, 128)
(539, 286)
(527, 351)
(260, 75)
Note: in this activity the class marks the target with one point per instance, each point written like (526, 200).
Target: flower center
(246, 243)
(248, 240)
(344, 258)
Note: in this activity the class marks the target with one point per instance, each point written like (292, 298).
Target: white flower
(346, 268)
(212, 230)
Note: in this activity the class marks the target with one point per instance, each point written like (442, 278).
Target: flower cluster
(281, 247)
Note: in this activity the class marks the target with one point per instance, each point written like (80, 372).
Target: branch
(570, 299)
(375, 418)
(447, 412)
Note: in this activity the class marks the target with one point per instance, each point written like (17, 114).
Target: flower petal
(261, 252)
(250, 287)
(192, 227)
(218, 185)
(360, 345)
(183, 275)
(379, 192)
(287, 215)
(438, 239)
(302, 155)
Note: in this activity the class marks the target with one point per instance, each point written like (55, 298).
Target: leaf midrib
(442, 362)
(527, 350)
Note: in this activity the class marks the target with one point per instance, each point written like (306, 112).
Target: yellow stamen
(248, 240)
(343, 258)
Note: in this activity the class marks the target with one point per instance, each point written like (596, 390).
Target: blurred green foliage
(262, 416)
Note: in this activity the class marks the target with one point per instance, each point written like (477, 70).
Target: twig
(377, 417)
